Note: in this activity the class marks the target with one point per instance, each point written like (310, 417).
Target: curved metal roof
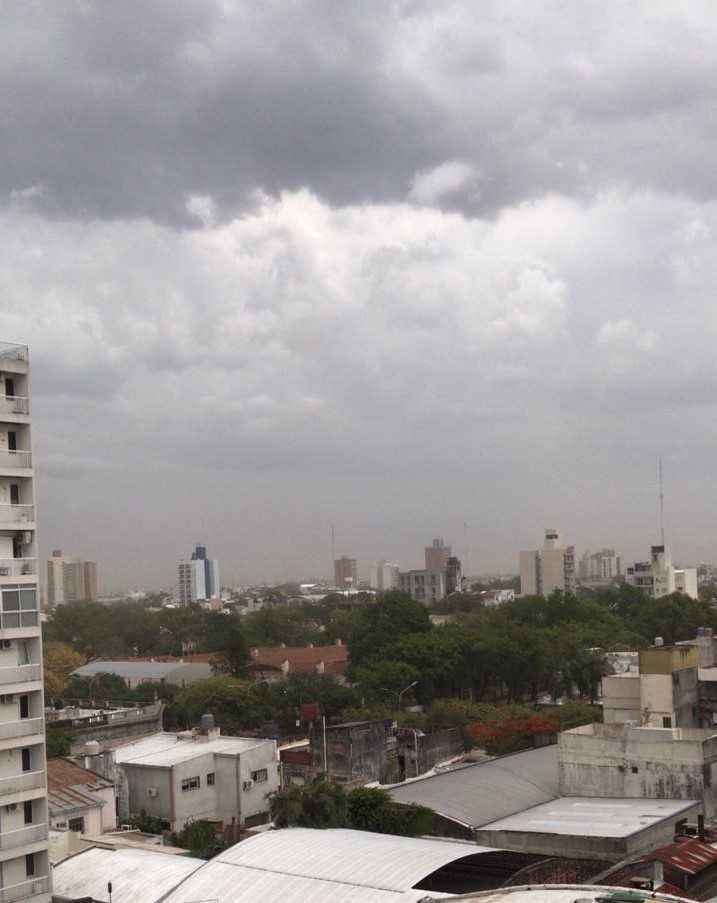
(321, 866)
(137, 876)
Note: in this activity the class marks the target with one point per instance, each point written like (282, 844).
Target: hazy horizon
(394, 267)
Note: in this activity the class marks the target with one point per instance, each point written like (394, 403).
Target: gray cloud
(395, 266)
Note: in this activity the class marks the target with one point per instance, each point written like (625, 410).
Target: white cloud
(449, 178)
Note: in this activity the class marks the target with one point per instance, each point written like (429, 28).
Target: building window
(634, 769)
(191, 784)
(260, 776)
(27, 809)
(25, 758)
(77, 824)
(30, 864)
(210, 779)
(667, 722)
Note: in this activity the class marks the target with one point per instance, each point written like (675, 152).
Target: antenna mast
(662, 506)
(333, 546)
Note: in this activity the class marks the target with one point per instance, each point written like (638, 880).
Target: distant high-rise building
(437, 555)
(385, 575)
(454, 575)
(345, 572)
(599, 568)
(25, 866)
(658, 576)
(424, 586)
(547, 569)
(198, 578)
(70, 580)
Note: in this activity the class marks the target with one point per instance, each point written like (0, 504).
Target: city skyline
(393, 269)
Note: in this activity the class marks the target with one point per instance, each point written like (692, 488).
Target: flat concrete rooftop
(592, 817)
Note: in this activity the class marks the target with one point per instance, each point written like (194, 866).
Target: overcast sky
(396, 266)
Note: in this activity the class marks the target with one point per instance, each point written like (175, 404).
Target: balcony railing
(15, 674)
(18, 567)
(16, 514)
(15, 458)
(14, 404)
(26, 780)
(9, 840)
(22, 728)
(25, 891)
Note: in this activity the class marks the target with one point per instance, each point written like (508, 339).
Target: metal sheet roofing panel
(592, 817)
(221, 882)
(690, 856)
(381, 861)
(137, 876)
(478, 794)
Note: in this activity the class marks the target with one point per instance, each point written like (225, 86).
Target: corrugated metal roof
(164, 750)
(478, 794)
(690, 856)
(137, 876)
(156, 670)
(313, 866)
(69, 799)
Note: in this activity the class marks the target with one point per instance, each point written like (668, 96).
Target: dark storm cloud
(122, 109)
(389, 265)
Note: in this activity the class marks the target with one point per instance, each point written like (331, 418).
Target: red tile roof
(63, 773)
(690, 856)
(303, 659)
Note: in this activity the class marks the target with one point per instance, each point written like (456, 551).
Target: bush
(372, 809)
(200, 838)
(57, 743)
(149, 824)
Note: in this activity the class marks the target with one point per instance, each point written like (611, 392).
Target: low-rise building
(79, 800)
(271, 663)
(198, 774)
(631, 762)
(135, 672)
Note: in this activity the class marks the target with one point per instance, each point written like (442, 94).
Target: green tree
(237, 705)
(200, 838)
(59, 661)
(378, 626)
(372, 809)
(318, 804)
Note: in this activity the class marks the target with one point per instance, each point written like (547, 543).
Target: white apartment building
(24, 861)
(547, 569)
(385, 575)
(658, 576)
(198, 774)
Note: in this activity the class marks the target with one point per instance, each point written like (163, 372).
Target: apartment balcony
(25, 727)
(14, 406)
(33, 887)
(17, 515)
(15, 620)
(12, 460)
(19, 674)
(18, 567)
(11, 840)
(19, 783)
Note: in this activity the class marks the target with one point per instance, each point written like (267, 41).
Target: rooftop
(136, 669)
(688, 855)
(165, 750)
(300, 658)
(137, 876)
(477, 794)
(592, 817)
(70, 787)
(553, 893)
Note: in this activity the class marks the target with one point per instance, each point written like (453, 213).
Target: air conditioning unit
(152, 791)
(247, 785)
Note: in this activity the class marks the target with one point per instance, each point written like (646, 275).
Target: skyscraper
(437, 555)
(198, 577)
(70, 580)
(345, 572)
(24, 861)
(549, 568)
